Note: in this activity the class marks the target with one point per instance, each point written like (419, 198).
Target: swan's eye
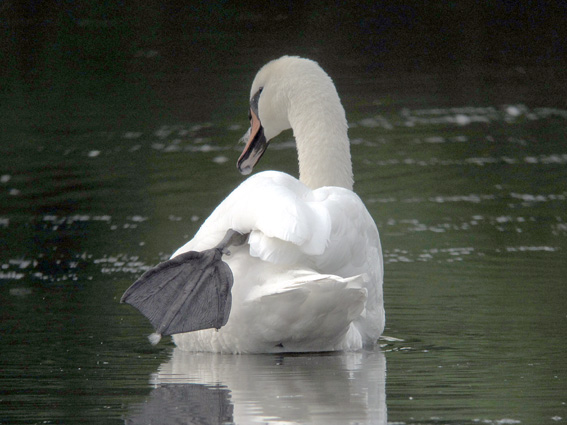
(255, 99)
(249, 115)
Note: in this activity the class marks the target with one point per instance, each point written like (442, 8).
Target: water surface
(116, 151)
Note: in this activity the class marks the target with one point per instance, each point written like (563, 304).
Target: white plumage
(310, 276)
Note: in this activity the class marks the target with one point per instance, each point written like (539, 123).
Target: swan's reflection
(313, 388)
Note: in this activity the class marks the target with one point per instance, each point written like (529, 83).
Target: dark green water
(119, 136)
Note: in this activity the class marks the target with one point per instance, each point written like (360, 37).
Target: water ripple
(461, 116)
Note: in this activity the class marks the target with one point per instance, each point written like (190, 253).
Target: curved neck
(320, 130)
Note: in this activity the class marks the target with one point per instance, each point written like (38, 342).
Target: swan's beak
(255, 145)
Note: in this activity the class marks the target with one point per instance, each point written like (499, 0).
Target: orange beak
(255, 146)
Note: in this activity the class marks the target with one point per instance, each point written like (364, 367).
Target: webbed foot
(189, 292)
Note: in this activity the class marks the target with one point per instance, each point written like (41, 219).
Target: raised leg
(187, 293)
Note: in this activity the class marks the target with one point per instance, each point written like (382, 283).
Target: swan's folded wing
(278, 212)
(304, 305)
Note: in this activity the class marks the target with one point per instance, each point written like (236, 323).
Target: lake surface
(120, 137)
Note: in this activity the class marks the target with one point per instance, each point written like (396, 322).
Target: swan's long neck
(320, 130)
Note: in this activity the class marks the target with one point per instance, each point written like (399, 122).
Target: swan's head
(280, 89)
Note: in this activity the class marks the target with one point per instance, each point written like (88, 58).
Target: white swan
(309, 276)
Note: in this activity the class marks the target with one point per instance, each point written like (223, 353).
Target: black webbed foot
(187, 293)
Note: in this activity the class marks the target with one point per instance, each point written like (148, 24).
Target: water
(119, 138)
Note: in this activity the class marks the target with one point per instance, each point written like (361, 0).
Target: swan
(281, 265)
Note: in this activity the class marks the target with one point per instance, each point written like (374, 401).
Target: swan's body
(310, 276)
(308, 279)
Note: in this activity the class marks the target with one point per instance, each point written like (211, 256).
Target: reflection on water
(337, 388)
(185, 404)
